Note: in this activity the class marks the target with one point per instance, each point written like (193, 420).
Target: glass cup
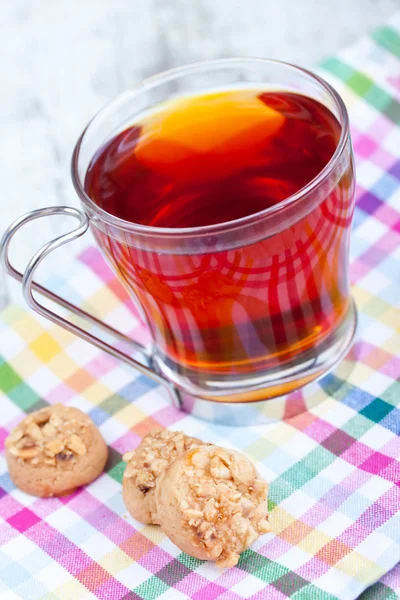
(253, 308)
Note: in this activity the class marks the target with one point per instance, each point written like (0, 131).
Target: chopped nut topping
(226, 508)
(145, 478)
(191, 513)
(55, 420)
(54, 447)
(40, 417)
(230, 561)
(128, 456)
(14, 436)
(49, 430)
(210, 511)
(26, 452)
(251, 536)
(157, 450)
(48, 433)
(76, 445)
(216, 551)
(219, 470)
(264, 526)
(130, 471)
(200, 460)
(158, 465)
(34, 431)
(222, 500)
(205, 490)
(180, 445)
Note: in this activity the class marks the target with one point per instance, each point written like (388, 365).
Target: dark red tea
(213, 158)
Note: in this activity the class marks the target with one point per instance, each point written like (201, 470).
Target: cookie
(157, 451)
(55, 450)
(212, 504)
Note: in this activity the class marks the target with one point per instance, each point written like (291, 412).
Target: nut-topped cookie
(55, 450)
(212, 504)
(155, 453)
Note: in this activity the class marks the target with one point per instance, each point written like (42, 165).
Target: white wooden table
(62, 60)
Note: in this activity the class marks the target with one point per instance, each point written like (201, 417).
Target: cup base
(269, 397)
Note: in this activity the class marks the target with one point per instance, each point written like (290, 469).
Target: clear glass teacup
(243, 310)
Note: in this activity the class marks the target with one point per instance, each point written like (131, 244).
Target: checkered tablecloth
(332, 461)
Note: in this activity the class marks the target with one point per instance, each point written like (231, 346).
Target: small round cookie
(55, 450)
(212, 504)
(157, 450)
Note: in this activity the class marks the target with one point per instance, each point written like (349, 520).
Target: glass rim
(169, 75)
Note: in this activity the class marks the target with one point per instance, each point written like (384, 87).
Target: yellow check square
(45, 347)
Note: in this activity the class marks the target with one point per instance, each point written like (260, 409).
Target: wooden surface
(61, 60)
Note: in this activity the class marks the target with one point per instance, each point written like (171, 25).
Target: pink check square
(23, 520)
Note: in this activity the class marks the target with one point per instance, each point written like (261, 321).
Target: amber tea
(200, 161)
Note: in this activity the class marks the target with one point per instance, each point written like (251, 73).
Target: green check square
(271, 505)
(189, 561)
(357, 426)
(117, 471)
(38, 405)
(290, 583)
(261, 567)
(376, 410)
(113, 404)
(392, 394)
(296, 476)
(303, 471)
(114, 464)
(392, 111)
(317, 460)
(152, 588)
(389, 39)
(378, 591)
(378, 98)
(280, 489)
(23, 396)
(338, 68)
(360, 83)
(311, 591)
(335, 387)
(8, 378)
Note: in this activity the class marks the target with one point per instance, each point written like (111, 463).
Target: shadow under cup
(249, 309)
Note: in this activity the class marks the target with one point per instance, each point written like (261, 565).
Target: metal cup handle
(29, 285)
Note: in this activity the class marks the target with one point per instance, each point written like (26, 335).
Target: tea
(217, 157)
(213, 158)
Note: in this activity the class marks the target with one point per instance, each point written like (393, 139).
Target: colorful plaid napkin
(332, 460)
